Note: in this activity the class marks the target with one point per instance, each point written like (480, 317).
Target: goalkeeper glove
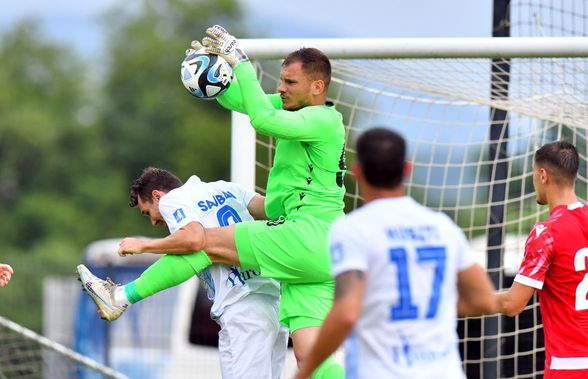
(195, 47)
(222, 43)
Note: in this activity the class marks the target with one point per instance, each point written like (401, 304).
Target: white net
(26, 355)
(549, 18)
(472, 127)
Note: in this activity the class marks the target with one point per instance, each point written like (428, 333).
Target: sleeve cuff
(528, 281)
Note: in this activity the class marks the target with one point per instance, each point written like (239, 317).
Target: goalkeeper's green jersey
(309, 162)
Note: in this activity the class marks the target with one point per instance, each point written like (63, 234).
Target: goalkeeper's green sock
(329, 369)
(169, 271)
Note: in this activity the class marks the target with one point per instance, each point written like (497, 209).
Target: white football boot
(101, 292)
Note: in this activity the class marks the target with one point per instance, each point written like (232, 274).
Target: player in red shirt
(555, 264)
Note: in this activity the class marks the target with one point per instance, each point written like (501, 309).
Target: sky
(76, 22)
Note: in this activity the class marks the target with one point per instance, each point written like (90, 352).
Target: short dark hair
(314, 62)
(152, 178)
(381, 154)
(561, 158)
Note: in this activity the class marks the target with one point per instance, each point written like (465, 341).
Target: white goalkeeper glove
(222, 43)
(195, 47)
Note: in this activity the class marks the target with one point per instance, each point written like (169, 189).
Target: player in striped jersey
(400, 270)
(554, 264)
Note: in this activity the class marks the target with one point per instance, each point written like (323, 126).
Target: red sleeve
(538, 255)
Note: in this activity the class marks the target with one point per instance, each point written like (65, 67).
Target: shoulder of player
(358, 219)
(231, 189)
(541, 232)
(558, 218)
(435, 218)
(182, 195)
(324, 111)
(347, 222)
(171, 197)
(176, 193)
(328, 115)
(561, 221)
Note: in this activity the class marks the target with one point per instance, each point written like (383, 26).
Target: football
(204, 75)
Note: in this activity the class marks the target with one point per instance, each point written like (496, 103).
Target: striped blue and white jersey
(216, 204)
(411, 256)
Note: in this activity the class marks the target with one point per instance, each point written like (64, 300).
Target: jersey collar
(569, 207)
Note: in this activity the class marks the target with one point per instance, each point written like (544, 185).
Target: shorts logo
(179, 214)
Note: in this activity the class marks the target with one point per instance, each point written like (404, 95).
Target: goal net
(473, 116)
(26, 355)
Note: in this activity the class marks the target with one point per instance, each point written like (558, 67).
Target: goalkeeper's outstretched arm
(232, 99)
(264, 111)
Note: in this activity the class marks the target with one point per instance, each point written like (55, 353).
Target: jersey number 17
(405, 309)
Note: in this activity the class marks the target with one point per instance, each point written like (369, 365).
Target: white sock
(120, 297)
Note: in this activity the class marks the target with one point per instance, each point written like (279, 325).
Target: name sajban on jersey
(215, 201)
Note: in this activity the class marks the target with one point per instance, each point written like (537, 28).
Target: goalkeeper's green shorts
(295, 252)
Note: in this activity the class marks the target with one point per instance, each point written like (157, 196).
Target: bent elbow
(348, 321)
(490, 308)
(513, 311)
(350, 316)
(197, 244)
(480, 307)
(261, 119)
(194, 237)
(491, 305)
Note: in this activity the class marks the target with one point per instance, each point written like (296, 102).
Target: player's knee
(329, 369)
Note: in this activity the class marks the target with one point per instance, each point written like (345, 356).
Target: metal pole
(498, 174)
(242, 151)
(479, 47)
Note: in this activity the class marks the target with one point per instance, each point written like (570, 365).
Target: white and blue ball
(204, 75)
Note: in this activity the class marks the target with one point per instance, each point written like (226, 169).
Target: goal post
(259, 50)
(426, 48)
(242, 151)
(438, 93)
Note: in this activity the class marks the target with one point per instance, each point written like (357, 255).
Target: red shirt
(555, 263)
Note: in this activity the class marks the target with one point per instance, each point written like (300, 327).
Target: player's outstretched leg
(101, 292)
(169, 271)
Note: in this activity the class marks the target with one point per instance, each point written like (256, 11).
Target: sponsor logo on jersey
(337, 253)
(239, 277)
(215, 201)
(206, 277)
(179, 214)
(539, 229)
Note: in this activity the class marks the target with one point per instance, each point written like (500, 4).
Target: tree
(74, 136)
(149, 118)
(45, 147)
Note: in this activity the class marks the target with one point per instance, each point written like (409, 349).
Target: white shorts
(252, 342)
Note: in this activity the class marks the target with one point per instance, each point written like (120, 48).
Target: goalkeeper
(304, 190)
